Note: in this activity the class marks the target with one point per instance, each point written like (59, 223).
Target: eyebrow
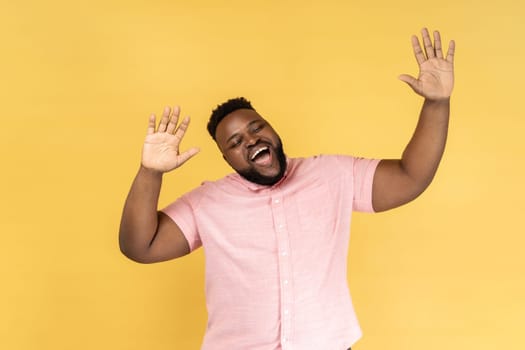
(247, 126)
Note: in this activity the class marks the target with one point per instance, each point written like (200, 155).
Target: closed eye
(258, 127)
(236, 142)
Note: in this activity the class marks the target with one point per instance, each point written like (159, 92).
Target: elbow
(138, 258)
(420, 185)
(396, 184)
(416, 189)
(417, 182)
(394, 196)
(132, 253)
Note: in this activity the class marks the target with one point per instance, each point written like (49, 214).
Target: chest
(305, 215)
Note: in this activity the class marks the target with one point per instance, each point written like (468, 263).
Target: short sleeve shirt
(276, 256)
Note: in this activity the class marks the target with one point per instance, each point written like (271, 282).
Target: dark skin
(147, 235)
(244, 134)
(399, 181)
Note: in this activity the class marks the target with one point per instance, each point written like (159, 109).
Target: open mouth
(261, 156)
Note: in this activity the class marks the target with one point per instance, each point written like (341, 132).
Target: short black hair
(224, 109)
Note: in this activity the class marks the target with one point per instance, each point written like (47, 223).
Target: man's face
(251, 147)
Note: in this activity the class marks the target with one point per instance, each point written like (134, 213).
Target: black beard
(253, 176)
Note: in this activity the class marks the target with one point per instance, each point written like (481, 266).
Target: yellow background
(79, 79)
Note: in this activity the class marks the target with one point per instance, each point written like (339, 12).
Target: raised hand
(436, 73)
(161, 146)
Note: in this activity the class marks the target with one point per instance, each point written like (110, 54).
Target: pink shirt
(276, 257)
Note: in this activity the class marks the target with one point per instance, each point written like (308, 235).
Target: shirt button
(284, 253)
(276, 201)
(285, 281)
(286, 312)
(281, 225)
(285, 340)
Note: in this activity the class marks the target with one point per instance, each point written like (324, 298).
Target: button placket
(285, 269)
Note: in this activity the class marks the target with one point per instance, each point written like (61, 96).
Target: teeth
(258, 151)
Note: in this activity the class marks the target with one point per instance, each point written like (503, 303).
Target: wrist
(444, 100)
(149, 171)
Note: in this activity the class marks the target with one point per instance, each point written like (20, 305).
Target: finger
(427, 43)
(410, 80)
(418, 52)
(151, 124)
(183, 157)
(173, 120)
(437, 44)
(181, 130)
(451, 50)
(164, 120)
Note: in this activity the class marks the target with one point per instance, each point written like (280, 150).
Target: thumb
(185, 156)
(410, 80)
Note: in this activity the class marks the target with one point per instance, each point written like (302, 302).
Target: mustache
(261, 142)
(257, 145)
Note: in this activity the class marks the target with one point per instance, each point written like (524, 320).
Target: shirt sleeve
(183, 214)
(363, 178)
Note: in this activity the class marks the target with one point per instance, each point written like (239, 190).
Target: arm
(399, 181)
(147, 235)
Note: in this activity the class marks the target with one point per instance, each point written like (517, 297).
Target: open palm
(436, 73)
(161, 146)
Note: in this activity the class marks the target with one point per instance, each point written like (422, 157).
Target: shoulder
(332, 165)
(207, 190)
(325, 162)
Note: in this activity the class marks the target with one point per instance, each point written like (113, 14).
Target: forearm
(140, 218)
(423, 153)
(398, 181)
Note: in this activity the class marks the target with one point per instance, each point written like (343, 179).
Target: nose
(251, 140)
